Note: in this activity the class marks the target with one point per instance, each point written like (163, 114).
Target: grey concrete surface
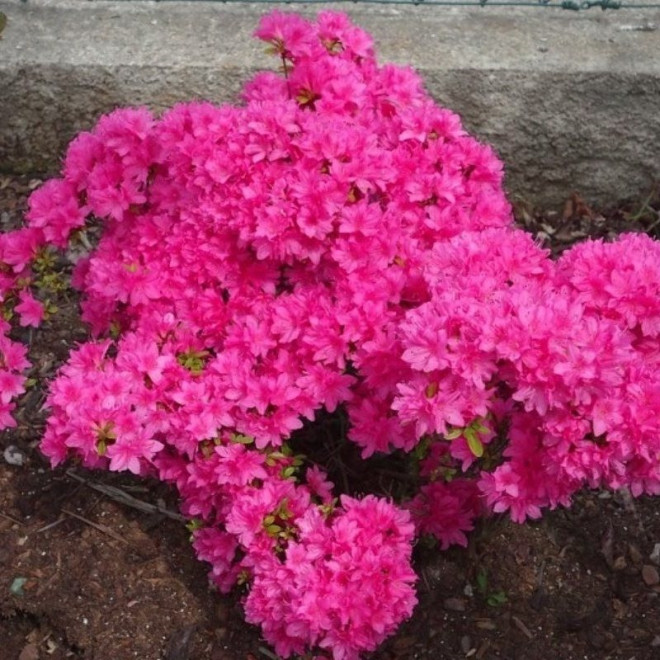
(571, 101)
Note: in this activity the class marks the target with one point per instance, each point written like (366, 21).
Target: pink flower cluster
(18, 250)
(559, 361)
(342, 587)
(338, 240)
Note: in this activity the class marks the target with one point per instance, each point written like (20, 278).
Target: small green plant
(492, 598)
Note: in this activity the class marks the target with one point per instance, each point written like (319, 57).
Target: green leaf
(327, 509)
(448, 473)
(288, 472)
(421, 450)
(475, 445)
(283, 509)
(269, 654)
(496, 599)
(453, 434)
(478, 426)
(194, 361)
(482, 581)
(241, 439)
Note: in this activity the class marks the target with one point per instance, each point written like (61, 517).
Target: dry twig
(6, 516)
(118, 495)
(101, 528)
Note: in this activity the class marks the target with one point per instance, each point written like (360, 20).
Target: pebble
(454, 604)
(655, 555)
(635, 555)
(485, 624)
(650, 575)
(619, 607)
(596, 639)
(17, 586)
(466, 643)
(29, 652)
(222, 612)
(404, 643)
(14, 456)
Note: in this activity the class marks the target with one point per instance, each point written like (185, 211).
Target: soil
(84, 573)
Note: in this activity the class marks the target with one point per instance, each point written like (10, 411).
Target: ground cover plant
(338, 248)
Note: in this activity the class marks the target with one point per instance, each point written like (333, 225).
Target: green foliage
(193, 361)
(492, 598)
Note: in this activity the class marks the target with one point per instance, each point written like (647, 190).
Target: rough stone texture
(569, 100)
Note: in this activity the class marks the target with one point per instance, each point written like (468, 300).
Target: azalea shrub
(337, 244)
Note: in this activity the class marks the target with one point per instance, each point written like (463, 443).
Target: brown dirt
(85, 576)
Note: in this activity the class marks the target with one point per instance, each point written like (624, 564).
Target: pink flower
(12, 354)
(318, 483)
(288, 34)
(6, 419)
(130, 452)
(30, 310)
(54, 209)
(219, 549)
(238, 466)
(11, 385)
(18, 248)
(447, 510)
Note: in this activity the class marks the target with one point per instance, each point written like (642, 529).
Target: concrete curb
(570, 100)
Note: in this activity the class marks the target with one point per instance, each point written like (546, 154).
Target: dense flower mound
(337, 242)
